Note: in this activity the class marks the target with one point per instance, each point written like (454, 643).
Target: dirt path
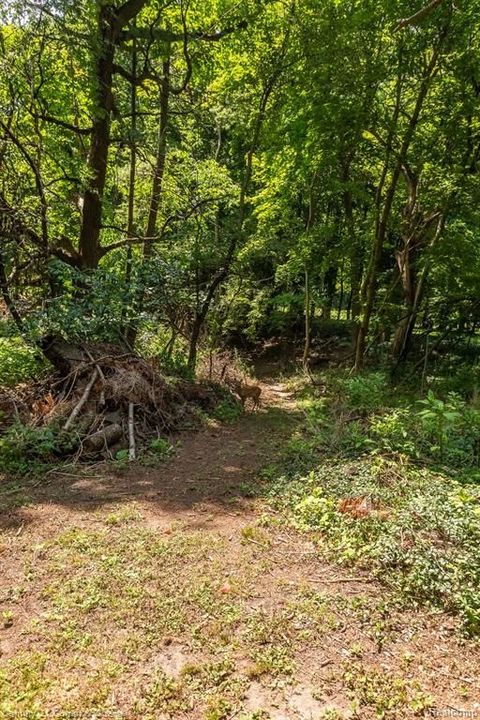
(175, 592)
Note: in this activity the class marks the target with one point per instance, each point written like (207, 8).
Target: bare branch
(418, 16)
(170, 36)
(60, 123)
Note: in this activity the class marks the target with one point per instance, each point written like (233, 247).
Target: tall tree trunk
(110, 22)
(107, 28)
(330, 284)
(383, 217)
(129, 333)
(159, 171)
(308, 288)
(308, 319)
(356, 258)
(414, 289)
(156, 191)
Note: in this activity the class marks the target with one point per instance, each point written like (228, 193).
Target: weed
(18, 361)
(273, 660)
(161, 447)
(227, 410)
(385, 693)
(24, 448)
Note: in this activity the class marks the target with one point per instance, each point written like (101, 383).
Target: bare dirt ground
(174, 591)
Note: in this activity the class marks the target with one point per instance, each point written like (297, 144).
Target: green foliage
(161, 447)
(227, 410)
(416, 527)
(19, 362)
(419, 533)
(434, 429)
(441, 417)
(366, 392)
(23, 447)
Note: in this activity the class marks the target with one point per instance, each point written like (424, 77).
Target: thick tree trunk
(109, 25)
(129, 330)
(100, 140)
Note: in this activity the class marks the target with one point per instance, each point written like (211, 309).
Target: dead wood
(104, 396)
(103, 439)
(78, 407)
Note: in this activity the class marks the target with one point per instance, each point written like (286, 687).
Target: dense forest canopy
(182, 173)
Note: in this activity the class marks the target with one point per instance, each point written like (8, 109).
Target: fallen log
(103, 439)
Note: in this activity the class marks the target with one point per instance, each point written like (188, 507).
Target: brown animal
(245, 391)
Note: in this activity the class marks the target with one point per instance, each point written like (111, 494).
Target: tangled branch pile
(104, 399)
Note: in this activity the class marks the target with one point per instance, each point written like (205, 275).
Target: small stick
(86, 394)
(102, 376)
(340, 580)
(131, 433)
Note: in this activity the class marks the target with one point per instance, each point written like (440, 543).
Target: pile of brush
(105, 398)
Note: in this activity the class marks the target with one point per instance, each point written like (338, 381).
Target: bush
(22, 446)
(227, 410)
(366, 392)
(161, 447)
(18, 361)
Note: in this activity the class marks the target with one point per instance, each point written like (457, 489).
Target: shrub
(394, 431)
(22, 446)
(161, 447)
(18, 361)
(227, 410)
(366, 392)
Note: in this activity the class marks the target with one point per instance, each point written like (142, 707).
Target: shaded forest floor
(175, 591)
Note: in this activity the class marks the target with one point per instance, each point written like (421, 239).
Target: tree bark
(157, 179)
(110, 22)
(107, 29)
(369, 286)
(7, 298)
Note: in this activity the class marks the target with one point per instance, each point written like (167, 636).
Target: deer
(245, 391)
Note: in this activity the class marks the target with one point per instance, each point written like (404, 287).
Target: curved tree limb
(418, 16)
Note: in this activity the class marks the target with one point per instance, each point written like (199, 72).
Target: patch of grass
(23, 684)
(385, 693)
(273, 660)
(253, 534)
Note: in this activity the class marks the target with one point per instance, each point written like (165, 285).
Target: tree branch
(60, 123)
(418, 16)
(170, 36)
(129, 10)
